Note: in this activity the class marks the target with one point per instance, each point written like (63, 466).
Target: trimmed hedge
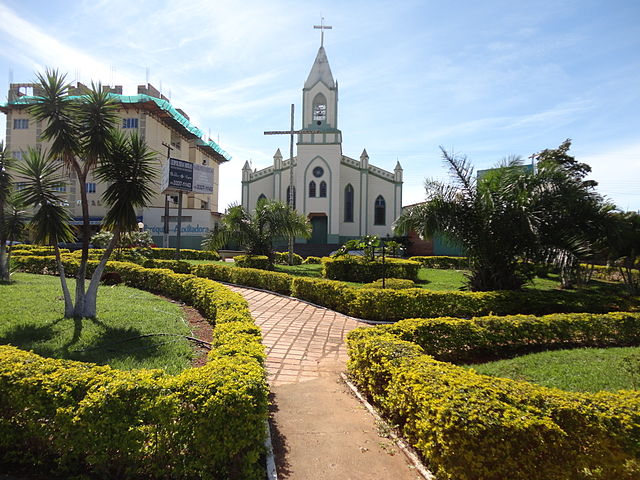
(251, 277)
(185, 254)
(282, 258)
(393, 283)
(73, 418)
(252, 261)
(388, 304)
(443, 262)
(470, 426)
(352, 268)
(467, 341)
(312, 261)
(36, 250)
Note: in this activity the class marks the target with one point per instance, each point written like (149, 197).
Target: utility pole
(165, 230)
(290, 197)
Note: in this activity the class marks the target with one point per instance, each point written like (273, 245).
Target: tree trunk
(68, 304)
(4, 263)
(86, 229)
(91, 296)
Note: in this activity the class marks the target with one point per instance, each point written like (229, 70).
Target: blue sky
(486, 79)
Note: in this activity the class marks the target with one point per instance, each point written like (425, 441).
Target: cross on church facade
(322, 27)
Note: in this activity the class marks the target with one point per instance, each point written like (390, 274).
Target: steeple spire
(322, 27)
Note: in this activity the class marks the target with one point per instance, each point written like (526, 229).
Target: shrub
(72, 418)
(36, 250)
(351, 268)
(178, 266)
(282, 258)
(252, 261)
(470, 426)
(185, 254)
(329, 293)
(393, 283)
(443, 262)
(250, 277)
(312, 261)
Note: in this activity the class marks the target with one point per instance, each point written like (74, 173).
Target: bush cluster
(249, 277)
(311, 260)
(252, 261)
(470, 426)
(393, 283)
(443, 262)
(282, 258)
(35, 250)
(185, 254)
(353, 268)
(73, 418)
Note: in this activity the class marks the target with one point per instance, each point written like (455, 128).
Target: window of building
(312, 188)
(380, 211)
(291, 196)
(20, 186)
(91, 187)
(348, 203)
(323, 189)
(61, 188)
(262, 197)
(17, 154)
(129, 123)
(20, 123)
(204, 205)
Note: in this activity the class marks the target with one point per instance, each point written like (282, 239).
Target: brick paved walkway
(301, 340)
(319, 429)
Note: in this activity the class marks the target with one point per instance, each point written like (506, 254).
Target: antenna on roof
(147, 75)
(10, 76)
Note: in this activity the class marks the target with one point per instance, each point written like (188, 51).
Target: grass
(577, 370)
(31, 318)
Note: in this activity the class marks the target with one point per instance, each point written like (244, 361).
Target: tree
(80, 130)
(256, 232)
(576, 217)
(128, 170)
(622, 246)
(510, 217)
(50, 223)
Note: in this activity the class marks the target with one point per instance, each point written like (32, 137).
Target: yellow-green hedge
(444, 262)
(72, 418)
(470, 426)
(185, 254)
(252, 261)
(388, 304)
(35, 250)
(353, 268)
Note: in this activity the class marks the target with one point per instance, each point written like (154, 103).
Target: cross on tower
(322, 27)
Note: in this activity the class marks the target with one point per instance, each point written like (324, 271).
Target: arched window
(291, 200)
(348, 203)
(312, 188)
(261, 197)
(323, 189)
(319, 109)
(379, 211)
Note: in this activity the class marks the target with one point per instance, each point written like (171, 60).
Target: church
(343, 198)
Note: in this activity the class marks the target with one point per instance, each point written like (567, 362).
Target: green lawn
(31, 319)
(578, 370)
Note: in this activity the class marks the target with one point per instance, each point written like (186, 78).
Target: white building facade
(344, 198)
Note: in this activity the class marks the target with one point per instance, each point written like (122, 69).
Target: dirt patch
(201, 329)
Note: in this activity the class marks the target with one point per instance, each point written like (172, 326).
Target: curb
(402, 445)
(272, 473)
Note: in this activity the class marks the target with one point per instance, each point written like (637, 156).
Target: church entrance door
(319, 229)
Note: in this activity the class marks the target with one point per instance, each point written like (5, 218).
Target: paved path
(320, 429)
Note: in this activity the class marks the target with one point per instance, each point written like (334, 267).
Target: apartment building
(166, 129)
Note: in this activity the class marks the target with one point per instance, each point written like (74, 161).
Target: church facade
(344, 198)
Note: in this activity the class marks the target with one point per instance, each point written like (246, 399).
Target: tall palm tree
(13, 224)
(129, 172)
(50, 223)
(79, 129)
(256, 232)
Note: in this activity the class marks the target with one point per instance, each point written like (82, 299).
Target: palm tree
(256, 232)
(13, 223)
(128, 171)
(50, 223)
(80, 129)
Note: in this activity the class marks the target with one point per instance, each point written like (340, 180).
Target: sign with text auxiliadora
(178, 175)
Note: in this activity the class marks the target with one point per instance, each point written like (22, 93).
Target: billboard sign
(182, 176)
